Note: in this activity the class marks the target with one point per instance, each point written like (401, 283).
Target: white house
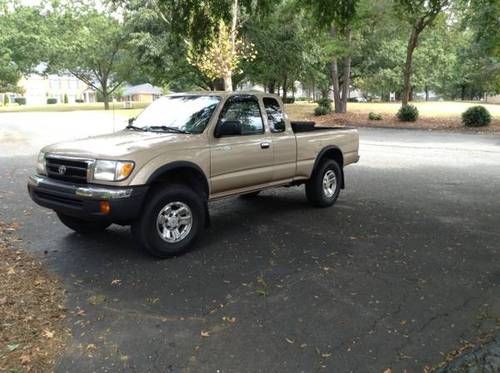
(37, 88)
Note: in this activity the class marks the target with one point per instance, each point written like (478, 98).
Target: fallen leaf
(291, 341)
(116, 282)
(48, 334)
(91, 347)
(11, 271)
(205, 334)
(25, 359)
(12, 347)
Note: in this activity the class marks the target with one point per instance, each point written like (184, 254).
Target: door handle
(265, 145)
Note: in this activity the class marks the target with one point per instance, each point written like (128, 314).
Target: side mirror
(228, 128)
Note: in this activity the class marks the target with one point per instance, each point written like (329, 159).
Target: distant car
(184, 150)
(357, 99)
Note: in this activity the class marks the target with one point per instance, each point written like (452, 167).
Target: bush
(322, 110)
(289, 100)
(374, 116)
(79, 101)
(408, 113)
(52, 101)
(20, 100)
(65, 98)
(476, 116)
(5, 99)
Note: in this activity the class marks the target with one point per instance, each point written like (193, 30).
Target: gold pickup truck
(184, 150)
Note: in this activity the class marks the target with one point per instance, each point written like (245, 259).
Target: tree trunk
(346, 79)
(285, 90)
(412, 44)
(228, 82)
(271, 87)
(426, 93)
(335, 77)
(105, 97)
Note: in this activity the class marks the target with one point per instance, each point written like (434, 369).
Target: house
(141, 93)
(38, 88)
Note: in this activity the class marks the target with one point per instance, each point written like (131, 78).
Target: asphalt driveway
(403, 269)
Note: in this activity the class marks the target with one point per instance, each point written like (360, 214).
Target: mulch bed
(32, 312)
(432, 124)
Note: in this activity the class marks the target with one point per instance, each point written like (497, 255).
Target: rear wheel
(171, 221)
(323, 188)
(81, 225)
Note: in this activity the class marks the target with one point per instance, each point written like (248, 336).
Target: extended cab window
(247, 111)
(274, 114)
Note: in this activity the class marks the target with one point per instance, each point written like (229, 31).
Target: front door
(244, 160)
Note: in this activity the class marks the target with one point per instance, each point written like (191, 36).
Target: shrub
(289, 100)
(20, 100)
(79, 101)
(65, 98)
(303, 98)
(476, 116)
(52, 101)
(408, 113)
(374, 116)
(322, 110)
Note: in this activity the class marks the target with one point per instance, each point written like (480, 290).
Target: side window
(274, 114)
(247, 111)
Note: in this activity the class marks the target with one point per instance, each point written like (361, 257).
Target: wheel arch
(181, 172)
(334, 153)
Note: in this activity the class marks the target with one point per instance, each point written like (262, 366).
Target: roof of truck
(223, 93)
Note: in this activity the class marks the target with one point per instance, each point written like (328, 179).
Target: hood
(119, 144)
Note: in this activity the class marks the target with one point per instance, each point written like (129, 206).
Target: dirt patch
(360, 119)
(32, 312)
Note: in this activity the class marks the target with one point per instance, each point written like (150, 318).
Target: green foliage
(52, 101)
(325, 102)
(289, 100)
(374, 116)
(321, 110)
(65, 98)
(408, 113)
(20, 100)
(5, 99)
(476, 116)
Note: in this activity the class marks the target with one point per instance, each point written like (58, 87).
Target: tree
(92, 46)
(419, 14)
(23, 42)
(339, 16)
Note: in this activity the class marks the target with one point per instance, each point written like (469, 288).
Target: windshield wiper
(167, 128)
(132, 127)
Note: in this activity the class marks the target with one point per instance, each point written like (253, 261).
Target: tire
(171, 221)
(81, 225)
(250, 195)
(321, 195)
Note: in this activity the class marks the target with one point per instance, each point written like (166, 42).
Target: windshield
(181, 114)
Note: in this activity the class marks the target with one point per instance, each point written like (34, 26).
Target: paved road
(404, 268)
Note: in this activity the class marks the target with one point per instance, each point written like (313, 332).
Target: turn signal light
(104, 207)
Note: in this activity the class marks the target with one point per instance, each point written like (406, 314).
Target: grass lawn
(118, 107)
(432, 115)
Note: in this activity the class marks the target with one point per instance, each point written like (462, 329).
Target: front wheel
(171, 221)
(323, 188)
(81, 225)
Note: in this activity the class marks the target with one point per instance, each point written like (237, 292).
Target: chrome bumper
(93, 192)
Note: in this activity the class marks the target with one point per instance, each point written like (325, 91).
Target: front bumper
(83, 201)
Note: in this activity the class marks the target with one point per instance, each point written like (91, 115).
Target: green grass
(118, 106)
(435, 109)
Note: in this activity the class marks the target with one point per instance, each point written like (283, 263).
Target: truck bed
(308, 126)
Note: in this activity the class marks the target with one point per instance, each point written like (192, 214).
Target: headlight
(41, 167)
(112, 170)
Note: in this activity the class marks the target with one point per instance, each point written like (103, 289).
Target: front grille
(74, 171)
(60, 199)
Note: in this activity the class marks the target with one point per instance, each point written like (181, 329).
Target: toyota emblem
(61, 170)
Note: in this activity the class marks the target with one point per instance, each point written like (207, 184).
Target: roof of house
(142, 89)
